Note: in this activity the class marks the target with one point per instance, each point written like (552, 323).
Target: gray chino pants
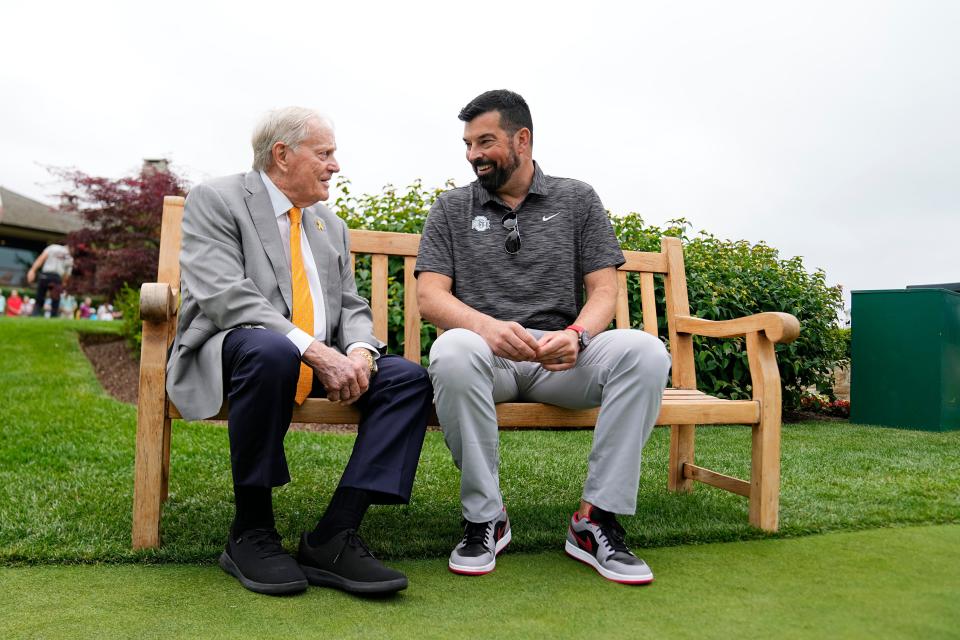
(623, 372)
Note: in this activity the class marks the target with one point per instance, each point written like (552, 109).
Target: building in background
(26, 227)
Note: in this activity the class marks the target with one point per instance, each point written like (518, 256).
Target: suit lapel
(265, 221)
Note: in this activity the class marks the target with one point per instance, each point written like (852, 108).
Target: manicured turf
(67, 449)
(885, 583)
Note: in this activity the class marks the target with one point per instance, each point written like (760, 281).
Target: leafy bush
(725, 279)
(845, 335)
(127, 302)
(401, 211)
(728, 279)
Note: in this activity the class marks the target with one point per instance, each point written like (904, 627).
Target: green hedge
(729, 279)
(725, 279)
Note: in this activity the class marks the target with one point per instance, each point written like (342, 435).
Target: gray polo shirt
(565, 235)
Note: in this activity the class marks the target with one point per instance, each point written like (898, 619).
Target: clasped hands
(555, 351)
(345, 377)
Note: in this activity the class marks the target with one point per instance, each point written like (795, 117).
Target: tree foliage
(121, 240)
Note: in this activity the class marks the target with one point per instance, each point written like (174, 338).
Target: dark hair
(513, 110)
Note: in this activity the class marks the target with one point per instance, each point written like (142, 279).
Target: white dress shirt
(299, 337)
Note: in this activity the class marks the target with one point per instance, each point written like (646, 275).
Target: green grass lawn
(67, 450)
(66, 469)
(883, 583)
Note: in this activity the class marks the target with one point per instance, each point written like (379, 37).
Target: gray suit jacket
(234, 272)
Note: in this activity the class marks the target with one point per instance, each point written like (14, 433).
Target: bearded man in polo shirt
(270, 315)
(520, 269)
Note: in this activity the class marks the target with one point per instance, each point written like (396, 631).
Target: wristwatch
(371, 361)
(583, 336)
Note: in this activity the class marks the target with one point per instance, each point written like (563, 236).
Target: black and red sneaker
(600, 544)
(477, 552)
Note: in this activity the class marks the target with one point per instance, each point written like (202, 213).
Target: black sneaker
(257, 559)
(344, 562)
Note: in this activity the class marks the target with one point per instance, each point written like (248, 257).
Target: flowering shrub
(823, 404)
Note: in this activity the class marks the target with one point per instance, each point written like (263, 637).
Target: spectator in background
(68, 305)
(55, 265)
(29, 304)
(86, 309)
(14, 303)
(105, 312)
(3, 302)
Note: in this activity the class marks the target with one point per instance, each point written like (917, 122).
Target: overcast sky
(827, 129)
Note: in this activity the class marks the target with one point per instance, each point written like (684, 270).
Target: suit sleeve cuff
(300, 338)
(369, 347)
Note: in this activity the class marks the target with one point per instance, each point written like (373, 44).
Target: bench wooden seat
(683, 407)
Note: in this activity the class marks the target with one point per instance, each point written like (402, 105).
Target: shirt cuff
(300, 338)
(369, 347)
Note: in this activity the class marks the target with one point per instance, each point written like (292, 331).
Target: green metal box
(905, 369)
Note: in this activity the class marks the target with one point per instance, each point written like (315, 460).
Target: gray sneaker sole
(321, 578)
(268, 588)
(587, 558)
(480, 570)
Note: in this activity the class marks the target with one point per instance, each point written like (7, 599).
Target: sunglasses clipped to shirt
(512, 243)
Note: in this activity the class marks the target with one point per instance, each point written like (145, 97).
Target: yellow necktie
(302, 301)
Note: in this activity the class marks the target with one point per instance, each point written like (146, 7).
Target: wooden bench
(683, 406)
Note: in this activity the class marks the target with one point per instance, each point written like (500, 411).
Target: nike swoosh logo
(584, 540)
(545, 218)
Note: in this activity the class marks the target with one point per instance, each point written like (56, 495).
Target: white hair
(287, 125)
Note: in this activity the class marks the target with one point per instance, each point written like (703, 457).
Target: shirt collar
(538, 186)
(281, 203)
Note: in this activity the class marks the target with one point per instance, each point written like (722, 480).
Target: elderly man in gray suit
(270, 315)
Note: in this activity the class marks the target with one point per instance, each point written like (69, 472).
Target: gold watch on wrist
(371, 361)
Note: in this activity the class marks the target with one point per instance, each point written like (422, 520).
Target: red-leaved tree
(121, 241)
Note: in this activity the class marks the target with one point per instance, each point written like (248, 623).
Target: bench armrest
(778, 326)
(158, 303)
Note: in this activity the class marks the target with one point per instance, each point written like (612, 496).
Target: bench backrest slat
(378, 293)
(675, 287)
(622, 317)
(381, 245)
(648, 303)
(411, 311)
(168, 268)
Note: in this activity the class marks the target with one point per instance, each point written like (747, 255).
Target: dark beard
(498, 177)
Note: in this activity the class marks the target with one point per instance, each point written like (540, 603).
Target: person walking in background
(55, 265)
(14, 304)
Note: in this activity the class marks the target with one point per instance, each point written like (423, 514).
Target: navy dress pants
(260, 370)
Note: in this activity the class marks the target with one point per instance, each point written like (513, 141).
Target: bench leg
(153, 439)
(148, 484)
(165, 469)
(681, 452)
(765, 476)
(765, 455)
